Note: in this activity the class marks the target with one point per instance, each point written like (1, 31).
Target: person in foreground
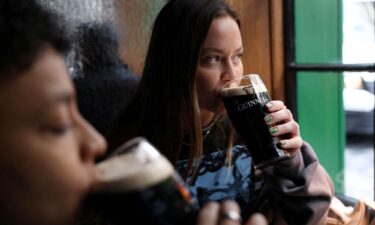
(47, 149)
(195, 49)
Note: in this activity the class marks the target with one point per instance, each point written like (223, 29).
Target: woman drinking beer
(195, 49)
(47, 149)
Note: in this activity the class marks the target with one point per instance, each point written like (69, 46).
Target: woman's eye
(237, 58)
(57, 130)
(212, 59)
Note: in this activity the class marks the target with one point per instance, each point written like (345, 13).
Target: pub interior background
(316, 55)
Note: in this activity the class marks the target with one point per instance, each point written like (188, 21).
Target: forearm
(297, 189)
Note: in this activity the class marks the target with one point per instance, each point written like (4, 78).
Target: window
(322, 39)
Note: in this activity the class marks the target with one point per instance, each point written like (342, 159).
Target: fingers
(257, 219)
(291, 128)
(226, 213)
(229, 213)
(278, 113)
(283, 126)
(209, 214)
(288, 135)
(291, 145)
(274, 106)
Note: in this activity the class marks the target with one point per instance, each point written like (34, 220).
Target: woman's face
(219, 62)
(47, 149)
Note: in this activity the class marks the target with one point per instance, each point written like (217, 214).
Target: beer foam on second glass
(135, 170)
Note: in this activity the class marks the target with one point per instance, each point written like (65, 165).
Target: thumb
(257, 219)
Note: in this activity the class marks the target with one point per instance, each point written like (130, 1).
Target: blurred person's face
(219, 62)
(47, 149)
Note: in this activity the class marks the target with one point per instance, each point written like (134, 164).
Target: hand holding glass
(244, 99)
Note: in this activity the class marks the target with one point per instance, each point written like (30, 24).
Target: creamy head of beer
(237, 91)
(245, 85)
(132, 171)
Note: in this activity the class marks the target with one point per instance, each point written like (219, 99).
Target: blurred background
(358, 95)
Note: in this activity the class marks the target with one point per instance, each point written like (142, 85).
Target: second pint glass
(138, 185)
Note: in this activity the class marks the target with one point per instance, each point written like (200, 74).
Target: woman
(47, 149)
(195, 48)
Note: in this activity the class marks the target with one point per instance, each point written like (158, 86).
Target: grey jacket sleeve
(297, 190)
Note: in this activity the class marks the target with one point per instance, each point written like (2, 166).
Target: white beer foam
(132, 171)
(236, 91)
(248, 84)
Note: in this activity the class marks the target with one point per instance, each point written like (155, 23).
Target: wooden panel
(277, 50)
(255, 29)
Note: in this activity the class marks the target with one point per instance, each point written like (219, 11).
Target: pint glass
(244, 99)
(138, 185)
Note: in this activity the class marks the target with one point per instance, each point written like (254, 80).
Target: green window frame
(313, 79)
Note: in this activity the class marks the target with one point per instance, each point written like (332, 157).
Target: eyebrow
(57, 98)
(210, 49)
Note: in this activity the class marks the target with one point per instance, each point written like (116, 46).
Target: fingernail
(283, 142)
(273, 130)
(268, 119)
(269, 105)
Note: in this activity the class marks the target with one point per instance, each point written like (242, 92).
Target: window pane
(358, 97)
(359, 31)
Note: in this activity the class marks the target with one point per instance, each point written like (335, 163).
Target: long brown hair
(165, 108)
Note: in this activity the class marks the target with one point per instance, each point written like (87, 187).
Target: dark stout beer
(244, 103)
(141, 187)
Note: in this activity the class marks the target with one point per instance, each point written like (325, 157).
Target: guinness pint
(138, 185)
(244, 100)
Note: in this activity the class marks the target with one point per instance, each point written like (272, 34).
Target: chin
(221, 111)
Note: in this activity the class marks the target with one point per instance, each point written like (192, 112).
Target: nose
(93, 143)
(229, 72)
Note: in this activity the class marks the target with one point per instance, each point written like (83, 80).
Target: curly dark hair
(25, 29)
(98, 44)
